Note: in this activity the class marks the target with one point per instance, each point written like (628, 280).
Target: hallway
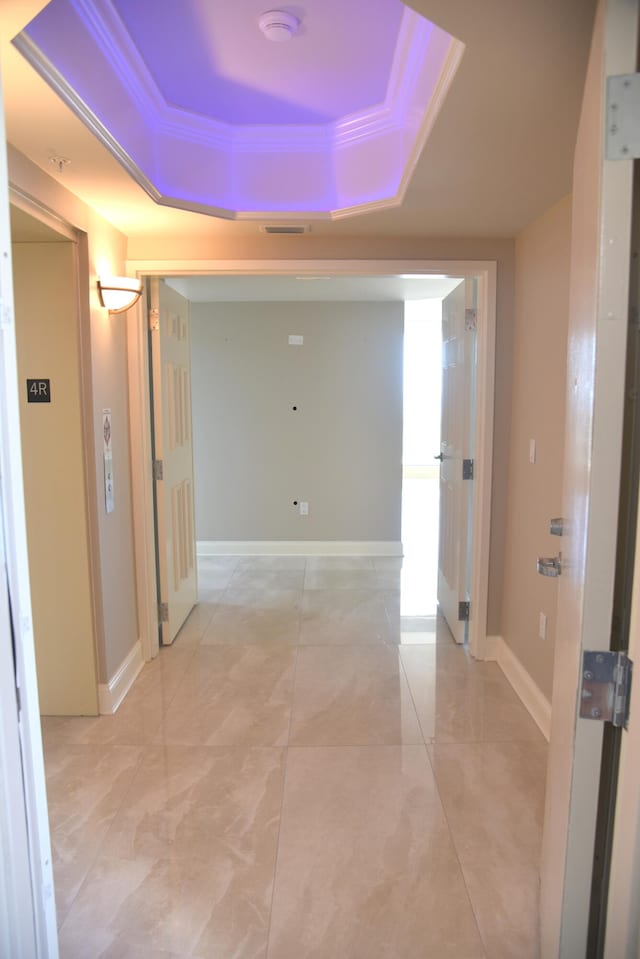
(304, 774)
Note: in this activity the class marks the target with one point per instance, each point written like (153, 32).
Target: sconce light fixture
(119, 293)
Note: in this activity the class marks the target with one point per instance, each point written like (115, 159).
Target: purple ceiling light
(206, 116)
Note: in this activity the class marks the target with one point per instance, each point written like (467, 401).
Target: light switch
(296, 340)
(304, 509)
(532, 451)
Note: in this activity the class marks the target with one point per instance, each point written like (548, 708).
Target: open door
(456, 456)
(27, 904)
(173, 457)
(596, 360)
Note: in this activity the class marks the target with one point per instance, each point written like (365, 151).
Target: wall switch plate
(532, 451)
(542, 626)
(304, 509)
(295, 340)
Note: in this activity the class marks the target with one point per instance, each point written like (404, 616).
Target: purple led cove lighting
(210, 57)
(185, 158)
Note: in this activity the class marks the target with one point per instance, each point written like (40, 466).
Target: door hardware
(606, 684)
(550, 565)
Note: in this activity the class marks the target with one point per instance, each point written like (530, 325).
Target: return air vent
(285, 229)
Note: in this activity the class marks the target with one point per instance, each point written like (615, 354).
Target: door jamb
(486, 273)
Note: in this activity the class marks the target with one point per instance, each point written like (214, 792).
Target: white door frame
(27, 905)
(486, 273)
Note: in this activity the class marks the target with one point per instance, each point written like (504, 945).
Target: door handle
(440, 457)
(550, 565)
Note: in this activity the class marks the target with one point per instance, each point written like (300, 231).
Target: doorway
(54, 463)
(422, 384)
(485, 274)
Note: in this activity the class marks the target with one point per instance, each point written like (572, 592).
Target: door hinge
(158, 470)
(464, 612)
(154, 320)
(606, 685)
(467, 469)
(471, 319)
(163, 612)
(623, 117)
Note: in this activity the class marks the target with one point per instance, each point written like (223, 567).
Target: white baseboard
(298, 548)
(532, 698)
(111, 694)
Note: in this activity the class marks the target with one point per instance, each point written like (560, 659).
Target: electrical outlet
(304, 509)
(542, 626)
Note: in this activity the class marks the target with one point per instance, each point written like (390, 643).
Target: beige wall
(340, 451)
(537, 412)
(317, 247)
(102, 249)
(48, 345)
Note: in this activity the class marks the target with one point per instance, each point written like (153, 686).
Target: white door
(173, 448)
(599, 288)
(456, 446)
(27, 906)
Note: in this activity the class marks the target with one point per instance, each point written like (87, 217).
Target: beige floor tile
(505, 901)
(138, 719)
(462, 701)
(180, 907)
(184, 800)
(220, 563)
(236, 626)
(350, 695)
(232, 696)
(341, 579)
(280, 579)
(366, 868)
(405, 625)
(337, 617)
(493, 795)
(388, 563)
(195, 624)
(86, 786)
(213, 578)
(265, 598)
(374, 825)
(272, 562)
(340, 564)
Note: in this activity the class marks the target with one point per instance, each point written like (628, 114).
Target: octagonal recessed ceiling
(207, 114)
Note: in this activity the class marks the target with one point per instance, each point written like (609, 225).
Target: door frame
(27, 903)
(140, 422)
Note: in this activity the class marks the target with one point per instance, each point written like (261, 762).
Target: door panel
(594, 415)
(175, 535)
(458, 353)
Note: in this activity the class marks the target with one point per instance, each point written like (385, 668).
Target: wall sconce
(119, 293)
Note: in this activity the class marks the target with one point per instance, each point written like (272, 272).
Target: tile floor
(305, 774)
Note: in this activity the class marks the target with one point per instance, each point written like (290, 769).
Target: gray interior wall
(340, 450)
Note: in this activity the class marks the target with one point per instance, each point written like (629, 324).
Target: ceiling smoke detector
(278, 25)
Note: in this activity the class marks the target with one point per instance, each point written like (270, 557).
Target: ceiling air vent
(283, 229)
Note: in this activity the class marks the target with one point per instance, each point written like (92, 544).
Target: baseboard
(298, 548)
(532, 698)
(111, 694)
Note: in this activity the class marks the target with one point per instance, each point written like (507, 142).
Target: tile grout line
(284, 787)
(455, 847)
